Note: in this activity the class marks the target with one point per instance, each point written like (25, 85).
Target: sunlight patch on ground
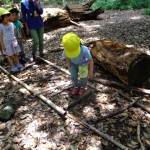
(24, 91)
(135, 17)
(129, 46)
(94, 144)
(92, 39)
(89, 26)
(35, 138)
(110, 106)
(111, 22)
(47, 36)
(89, 112)
(62, 83)
(102, 98)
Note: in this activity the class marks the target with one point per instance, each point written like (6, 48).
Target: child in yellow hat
(8, 40)
(79, 61)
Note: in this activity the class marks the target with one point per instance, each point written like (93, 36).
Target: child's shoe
(32, 57)
(81, 91)
(23, 60)
(74, 91)
(20, 66)
(15, 69)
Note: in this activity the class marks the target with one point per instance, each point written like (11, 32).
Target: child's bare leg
(10, 60)
(16, 58)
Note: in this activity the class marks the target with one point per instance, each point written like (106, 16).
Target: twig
(57, 49)
(137, 104)
(121, 86)
(118, 111)
(46, 90)
(61, 69)
(64, 89)
(43, 98)
(87, 93)
(105, 136)
(62, 112)
(55, 66)
(139, 138)
(74, 23)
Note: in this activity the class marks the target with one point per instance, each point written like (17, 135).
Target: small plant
(121, 4)
(147, 11)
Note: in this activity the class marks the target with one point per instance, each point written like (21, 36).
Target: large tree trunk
(84, 12)
(130, 65)
(55, 18)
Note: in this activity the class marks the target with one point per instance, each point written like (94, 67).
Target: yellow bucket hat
(71, 43)
(3, 11)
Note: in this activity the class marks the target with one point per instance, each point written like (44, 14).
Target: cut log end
(139, 70)
(130, 65)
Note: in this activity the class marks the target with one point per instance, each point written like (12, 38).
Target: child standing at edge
(8, 40)
(19, 32)
(79, 60)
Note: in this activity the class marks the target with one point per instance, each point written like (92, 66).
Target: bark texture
(84, 12)
(130, 65)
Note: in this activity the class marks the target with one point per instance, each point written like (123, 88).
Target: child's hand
(3, 48)
(27, 31)
(37, 2)
(4, 52)
(91, 75)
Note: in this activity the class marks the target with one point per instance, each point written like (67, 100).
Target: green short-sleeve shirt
(18, 24)
(18, 27)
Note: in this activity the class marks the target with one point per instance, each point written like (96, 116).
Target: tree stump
(130, 65)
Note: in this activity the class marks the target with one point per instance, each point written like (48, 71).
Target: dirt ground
(36, 126)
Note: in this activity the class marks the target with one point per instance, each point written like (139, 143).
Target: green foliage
(121, 4)
(147, 11)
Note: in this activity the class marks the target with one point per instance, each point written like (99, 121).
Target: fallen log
(130, 65)
(84, 12)
(55, 18)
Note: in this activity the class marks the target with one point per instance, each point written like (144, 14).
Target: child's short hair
(3, 16)
(13, 10)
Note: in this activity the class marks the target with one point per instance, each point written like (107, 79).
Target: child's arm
(39, 6)
(68, 62)
(1, 42)
(21, 31)
(24, 17)
(22, 34)
(27, 29)
(91, 66)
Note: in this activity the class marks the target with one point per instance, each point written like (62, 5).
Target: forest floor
(35, 126)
